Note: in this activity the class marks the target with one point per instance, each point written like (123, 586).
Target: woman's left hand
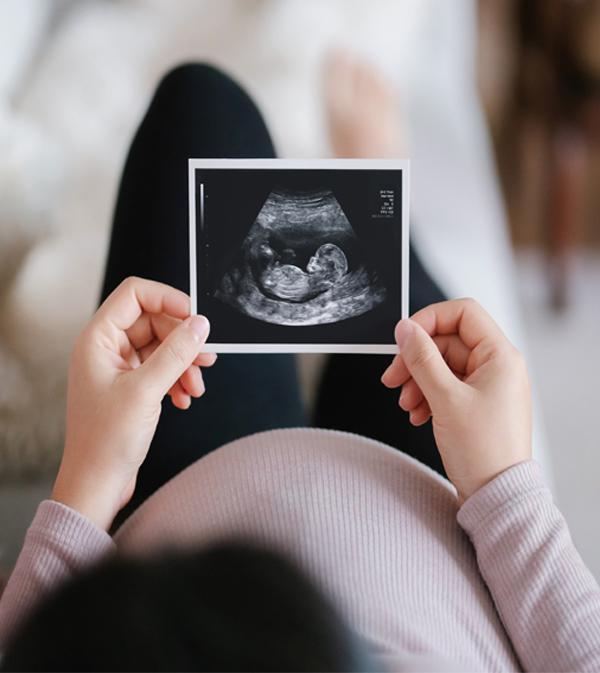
(141, 345)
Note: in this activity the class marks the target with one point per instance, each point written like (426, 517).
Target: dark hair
(231, 607)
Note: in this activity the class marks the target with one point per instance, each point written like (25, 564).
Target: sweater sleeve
(59, 543)
(547, 599)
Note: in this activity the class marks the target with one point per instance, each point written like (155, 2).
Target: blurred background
(500, 106)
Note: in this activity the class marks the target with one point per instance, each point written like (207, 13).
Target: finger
(150, 326)
(136, 295)
(177, 389)
(140, 333)
(425, 363)
(174, 388)
(464, 317)
(206, 359)
(192, 382)
(172, 358)
(411, 395)
(180, 398)
(396, 374)
(454, 351)
(145, 352)
(162, 327)
(130, 356)
(421, 414)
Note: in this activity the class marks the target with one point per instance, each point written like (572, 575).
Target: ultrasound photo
(301, 264)
(299, 256)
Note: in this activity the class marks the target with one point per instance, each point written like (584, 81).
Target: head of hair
(230, 607)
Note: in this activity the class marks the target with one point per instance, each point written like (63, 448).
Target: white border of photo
(303, 164)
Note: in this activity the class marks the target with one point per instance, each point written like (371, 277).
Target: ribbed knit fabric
(58, 544)
(378, 533)
(547, 598)
(375, 530)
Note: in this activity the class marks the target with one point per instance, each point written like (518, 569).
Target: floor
(566, 365)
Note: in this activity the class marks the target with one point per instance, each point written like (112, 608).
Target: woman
(379, 534)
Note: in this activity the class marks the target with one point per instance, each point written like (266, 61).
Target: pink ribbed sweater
(380, 534)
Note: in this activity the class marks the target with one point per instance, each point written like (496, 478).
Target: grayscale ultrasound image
(301, 264)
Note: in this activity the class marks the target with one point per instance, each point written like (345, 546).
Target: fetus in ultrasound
(301, 263)
(289, 282)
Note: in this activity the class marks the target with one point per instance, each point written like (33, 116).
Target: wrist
(467, 491)
(92, 497)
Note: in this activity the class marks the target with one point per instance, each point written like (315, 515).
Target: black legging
(198, 112)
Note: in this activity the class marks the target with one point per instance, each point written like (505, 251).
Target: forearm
(84, 488)
(548, 601)
(59, 543)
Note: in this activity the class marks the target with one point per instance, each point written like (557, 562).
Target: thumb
(425, 363)
(174, 355)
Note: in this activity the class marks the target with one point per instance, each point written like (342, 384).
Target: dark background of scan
(233, 199)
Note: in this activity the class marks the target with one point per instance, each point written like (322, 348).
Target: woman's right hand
(456, 365)
(141, 345)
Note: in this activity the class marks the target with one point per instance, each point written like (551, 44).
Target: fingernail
(200, 325)
(403, 330)
(385, 374)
